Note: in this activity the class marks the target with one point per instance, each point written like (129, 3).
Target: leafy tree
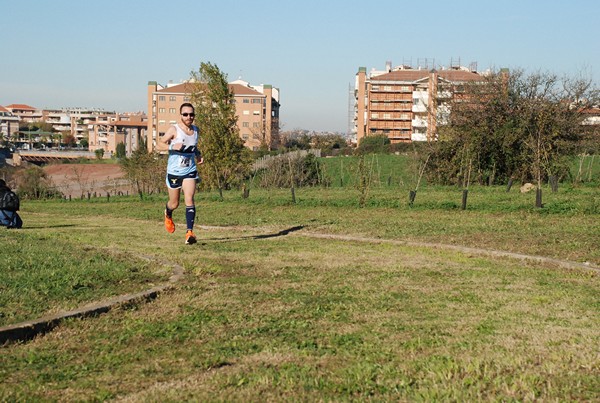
(68, 139)
(121, 150)
(512, 126)
(99, 153)
(226, 160)
(327, 143)
(373, 144)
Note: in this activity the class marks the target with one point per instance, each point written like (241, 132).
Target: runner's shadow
(262, 236)
(47, 226)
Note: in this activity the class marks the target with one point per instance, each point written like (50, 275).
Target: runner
(181, 140)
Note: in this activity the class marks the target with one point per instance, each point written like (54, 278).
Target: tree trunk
(465, 194)
(411, 197)
(509, 185)
(538, 198)
(553, 183)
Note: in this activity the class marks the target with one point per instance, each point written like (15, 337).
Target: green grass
(300, 318)
(401, 170)
(41, 273)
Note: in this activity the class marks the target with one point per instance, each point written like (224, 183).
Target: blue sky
(60, 53)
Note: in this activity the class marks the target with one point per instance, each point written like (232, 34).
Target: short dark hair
(188, 105)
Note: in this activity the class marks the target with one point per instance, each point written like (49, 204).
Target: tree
(33, 183)
(226, 160)
(296, 139)
(99, 153)
(329, 142)
(375, 143)
(512, 126)
(121, 150)
(68, 139)
(144, 170)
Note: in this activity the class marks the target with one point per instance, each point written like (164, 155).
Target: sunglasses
(185, 115)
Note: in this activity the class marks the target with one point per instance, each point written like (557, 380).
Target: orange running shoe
(190, 238)
(169, 224)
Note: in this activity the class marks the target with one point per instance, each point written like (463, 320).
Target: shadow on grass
(28, 227)
(262, 236)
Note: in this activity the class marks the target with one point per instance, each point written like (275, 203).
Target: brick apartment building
(257, 109)
(406, 104)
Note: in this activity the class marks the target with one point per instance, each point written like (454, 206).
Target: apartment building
(257, 109)
(76, 121)
(404, 103)
(9, 123)
(25, 113)
(109, 130)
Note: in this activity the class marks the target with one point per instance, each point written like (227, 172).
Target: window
(161, 122)
(246, 101)
(256, 113)
(172, 110)
(245, 137)
(161, 110)
(374, 115)
(172, 98)
(172, 122)
(387, 87)
(256, 101)
(387, 116)
(255, 124)
(245, 124)
(162, 98)
(375, 88)
(186, 99)
(246, 112)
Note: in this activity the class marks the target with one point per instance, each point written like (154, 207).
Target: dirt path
(77, 179)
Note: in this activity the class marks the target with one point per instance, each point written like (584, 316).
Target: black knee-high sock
(190, 216)
(168, 211)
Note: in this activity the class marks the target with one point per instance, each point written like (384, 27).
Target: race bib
(184, 162)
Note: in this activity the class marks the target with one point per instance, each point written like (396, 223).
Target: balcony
(419, 136)
(419, 108)
(421, 96)
(419, 122)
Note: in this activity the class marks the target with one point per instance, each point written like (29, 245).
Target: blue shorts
(176, 181)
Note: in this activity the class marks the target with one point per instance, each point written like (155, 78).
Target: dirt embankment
(80, 179)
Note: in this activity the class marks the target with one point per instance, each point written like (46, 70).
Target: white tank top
(183, 162)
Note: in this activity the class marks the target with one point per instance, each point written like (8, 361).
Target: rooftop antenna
(454, 64)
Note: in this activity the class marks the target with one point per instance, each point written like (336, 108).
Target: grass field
(263, 314)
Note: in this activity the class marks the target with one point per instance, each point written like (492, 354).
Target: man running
(181, 140)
